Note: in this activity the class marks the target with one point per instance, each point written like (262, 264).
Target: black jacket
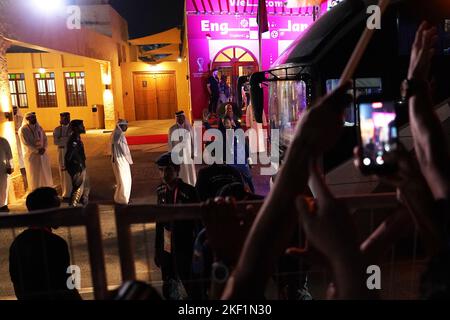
(75, 157)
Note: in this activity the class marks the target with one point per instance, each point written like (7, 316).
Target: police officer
(75, 160)
(174, 240)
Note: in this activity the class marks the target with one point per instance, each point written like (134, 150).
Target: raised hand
(321, 126)
(422, 52)
(326, 221)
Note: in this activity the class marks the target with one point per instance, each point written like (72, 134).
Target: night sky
(150, 16)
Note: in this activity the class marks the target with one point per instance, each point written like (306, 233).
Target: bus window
(363, 86)
(288, 100)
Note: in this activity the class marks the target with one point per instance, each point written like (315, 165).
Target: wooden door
(166, 95)
(145, 100)
(155, 96)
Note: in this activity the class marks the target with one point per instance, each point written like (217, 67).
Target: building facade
(57, 59)
(79, 58)
(223, 34)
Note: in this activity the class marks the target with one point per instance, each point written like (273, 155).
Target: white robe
(5, 163)
(61, 135)
(258, 144)
(121, 161)
(18, 119)
(39, 173)
(187, 171)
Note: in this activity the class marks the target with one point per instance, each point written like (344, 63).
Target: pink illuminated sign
(245, 27)
(213, 25)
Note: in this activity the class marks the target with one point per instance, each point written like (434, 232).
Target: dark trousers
(80, 189)
(173, 272)
(213, 101)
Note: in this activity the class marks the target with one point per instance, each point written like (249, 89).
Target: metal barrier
(143, 214)
(370, 201)
(71, 217)
(126, 216)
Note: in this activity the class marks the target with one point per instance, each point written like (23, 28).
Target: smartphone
(378, 134)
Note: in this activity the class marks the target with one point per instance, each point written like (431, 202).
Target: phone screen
(379, 132)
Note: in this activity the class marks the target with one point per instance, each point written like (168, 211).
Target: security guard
(75, 160)
(174, 240)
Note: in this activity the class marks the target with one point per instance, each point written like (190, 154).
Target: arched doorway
(234, 62)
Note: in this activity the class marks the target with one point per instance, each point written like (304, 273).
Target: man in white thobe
(121, 162)
(34, 148)
(6, 168)
(61, 135)
(187, 167)
(18, 120)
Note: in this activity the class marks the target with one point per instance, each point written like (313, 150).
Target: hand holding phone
(378, 135)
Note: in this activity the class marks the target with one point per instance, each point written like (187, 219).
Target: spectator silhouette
(38, 259)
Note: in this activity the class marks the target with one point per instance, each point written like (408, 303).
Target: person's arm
(386, 234)
(44, 139)
(330, 229)
(69, 157)
(429, 139)
(276, 220)
(421, 210)
(118, 147)
(272, 230)
(409, 183)
(208, 86)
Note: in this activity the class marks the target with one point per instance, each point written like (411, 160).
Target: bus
(312, 65)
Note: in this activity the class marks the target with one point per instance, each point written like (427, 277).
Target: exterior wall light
(9, 116)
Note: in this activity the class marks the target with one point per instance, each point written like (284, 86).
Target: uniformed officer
(174, 240)
(75, 160)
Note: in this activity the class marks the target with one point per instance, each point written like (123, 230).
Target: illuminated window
(46, 90)
(18, 90)
(75, 89)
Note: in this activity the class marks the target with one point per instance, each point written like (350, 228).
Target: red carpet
(151, 139)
